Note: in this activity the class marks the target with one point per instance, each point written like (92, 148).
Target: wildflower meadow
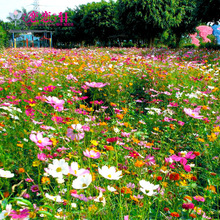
(109, 133)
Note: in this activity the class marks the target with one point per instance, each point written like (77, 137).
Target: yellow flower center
(59, 169)
(109, 176)
(84, 185)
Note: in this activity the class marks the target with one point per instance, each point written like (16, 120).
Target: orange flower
(120, 116)
(186, 198)
(45, 180)
(109, 148)
(21, 170)
(126, 190)
(139, 163)
(6, 194)
(211, 188)
(192, 215)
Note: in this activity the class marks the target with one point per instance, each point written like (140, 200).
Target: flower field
(109, 133)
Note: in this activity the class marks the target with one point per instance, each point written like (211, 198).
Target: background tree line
(144, 22)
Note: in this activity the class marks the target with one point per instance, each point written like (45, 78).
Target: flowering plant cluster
(109, 134)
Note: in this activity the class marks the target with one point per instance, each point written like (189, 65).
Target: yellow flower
(36, 163)
(201, 140)
(20, 145)
(156, 129)
(54, 141)
(216, 129)
(92, 208)
(70, 155)
(164, 184)
(212, 137)
(171, 151)
(93, 142)
(183, 183)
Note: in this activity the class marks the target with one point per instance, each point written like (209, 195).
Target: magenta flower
(42, 157)
(20, 214)
(188, 206)
(96, 85)
(34, 188)
(199, 198)
(193, 113)
(40, 141)
(49, 88)
(92, 154)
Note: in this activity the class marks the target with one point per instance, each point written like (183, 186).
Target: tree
(208, 10)
(188, 19)
(146, 19)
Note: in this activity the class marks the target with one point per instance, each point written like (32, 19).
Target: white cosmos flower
(146, 185)
(6, 174)
(111, 189)
(100, 198)
(110, 173)
(82, 181)
(6, 212)
(58, 168)
(54, 198)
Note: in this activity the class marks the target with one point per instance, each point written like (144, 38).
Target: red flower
(175, 214)
(159, 178)
(166, 209)
(174, 176)
(196, 153)
(194, 178)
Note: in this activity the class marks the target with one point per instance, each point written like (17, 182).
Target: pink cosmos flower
(199, 198)
(96, 85)
(92, 154)
(181, 123)
(125, 134)
(40, 141)
(42, 157)
(20, 214)
(149, 160)
(56, 103)
(192, 113)
(75, 132)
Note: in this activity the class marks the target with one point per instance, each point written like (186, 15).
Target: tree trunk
(178, 37)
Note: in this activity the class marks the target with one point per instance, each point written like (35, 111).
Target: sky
(53, 6)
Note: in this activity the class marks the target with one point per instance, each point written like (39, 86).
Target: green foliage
(3, 37)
